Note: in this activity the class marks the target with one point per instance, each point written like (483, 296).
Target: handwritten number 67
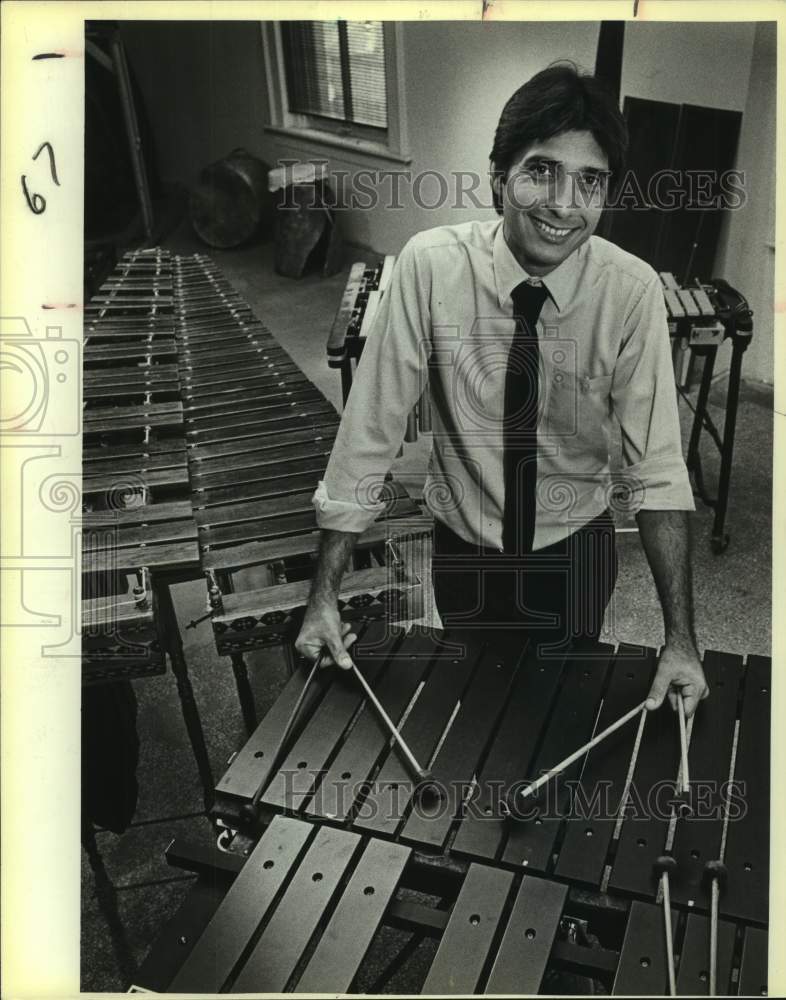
(36, 202)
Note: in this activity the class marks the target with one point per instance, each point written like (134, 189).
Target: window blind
(336, 69)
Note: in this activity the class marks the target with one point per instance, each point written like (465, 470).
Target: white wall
(687, 63)
(746, 256)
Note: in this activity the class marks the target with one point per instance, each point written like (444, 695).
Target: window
(336, 83)
(336, 70)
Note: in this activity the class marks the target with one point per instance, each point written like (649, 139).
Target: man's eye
(545, 171)
(591, 182)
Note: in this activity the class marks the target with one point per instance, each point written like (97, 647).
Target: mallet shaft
(685, 779)
(714, 901)
(664, 881)
(577, 754)
(411, 760)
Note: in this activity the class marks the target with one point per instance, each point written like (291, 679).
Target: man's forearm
(666, 539)
(335, 550)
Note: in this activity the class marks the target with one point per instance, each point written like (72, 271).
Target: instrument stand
(239, 669)
(174, 648)
(106, 896)
(701, 421)
(244, 692)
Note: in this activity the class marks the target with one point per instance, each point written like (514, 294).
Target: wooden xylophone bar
(301, 905)
(495, 931)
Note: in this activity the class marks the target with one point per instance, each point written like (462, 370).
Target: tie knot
(528, 300)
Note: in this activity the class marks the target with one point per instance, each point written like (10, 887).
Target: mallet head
(427, 787)
(665, 863)
(715, 870)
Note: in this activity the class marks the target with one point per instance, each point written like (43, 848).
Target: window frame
(319, 131)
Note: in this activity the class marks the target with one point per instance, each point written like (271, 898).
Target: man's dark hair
(558, 99)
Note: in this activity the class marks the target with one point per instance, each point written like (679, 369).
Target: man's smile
(553, 234)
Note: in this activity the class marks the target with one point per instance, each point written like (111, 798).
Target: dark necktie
(520, 424)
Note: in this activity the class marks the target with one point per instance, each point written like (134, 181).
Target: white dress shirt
(605, 358)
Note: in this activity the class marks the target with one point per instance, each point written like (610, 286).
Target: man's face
(553, 198)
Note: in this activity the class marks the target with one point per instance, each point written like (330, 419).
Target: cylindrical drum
(230, 203)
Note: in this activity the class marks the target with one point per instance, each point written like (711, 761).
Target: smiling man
(538, 340)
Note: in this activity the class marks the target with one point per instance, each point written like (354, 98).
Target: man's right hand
(323, 629)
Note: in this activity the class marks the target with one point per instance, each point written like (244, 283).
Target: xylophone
(139, 534)
(700, 317)
(359, 303)
(258, 436)
(342, 848)
(198, 460)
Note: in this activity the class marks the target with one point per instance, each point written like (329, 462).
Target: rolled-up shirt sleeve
(644, 401)
(388, 382)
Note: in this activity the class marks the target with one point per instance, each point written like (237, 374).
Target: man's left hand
(679, 670)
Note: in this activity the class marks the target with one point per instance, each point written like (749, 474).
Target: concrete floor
(733, 613)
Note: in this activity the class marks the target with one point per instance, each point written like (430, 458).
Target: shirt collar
(508, 273)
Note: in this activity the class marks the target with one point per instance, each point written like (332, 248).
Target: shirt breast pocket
(576, 408)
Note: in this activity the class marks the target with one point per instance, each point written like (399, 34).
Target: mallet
(424, 777)
(508, 807)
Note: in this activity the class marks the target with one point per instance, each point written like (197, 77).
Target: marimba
(300, 894)
(700, 317)
(139, 533)
(258, 436)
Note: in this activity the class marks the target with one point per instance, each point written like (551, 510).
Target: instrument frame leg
(739, 345)
(693, 459)
(106, 896)
(244, 693)
(174, 647)
(346, 379)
